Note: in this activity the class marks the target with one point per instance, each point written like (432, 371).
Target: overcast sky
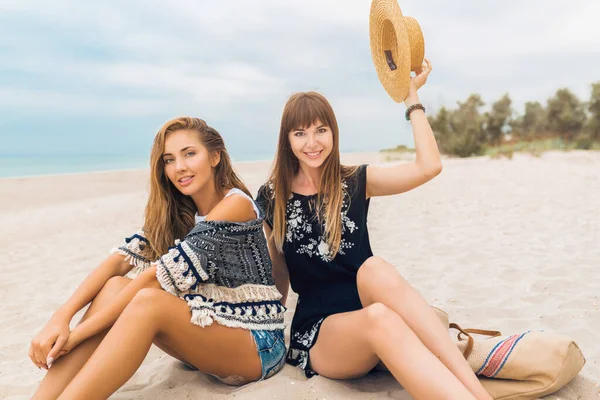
(78, 78)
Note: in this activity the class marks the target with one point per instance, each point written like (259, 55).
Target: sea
(17, 166)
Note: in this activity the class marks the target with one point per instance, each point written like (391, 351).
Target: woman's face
(188, 164)
(312, 145)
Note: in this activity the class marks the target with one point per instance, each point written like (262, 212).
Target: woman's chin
(190, 190)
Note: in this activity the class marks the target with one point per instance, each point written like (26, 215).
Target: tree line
(563, 122)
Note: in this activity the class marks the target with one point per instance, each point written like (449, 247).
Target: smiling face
(187, 162)
(309, 137)
(311, 145)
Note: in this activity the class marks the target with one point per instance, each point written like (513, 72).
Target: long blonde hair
(301, 111)
(169, 213)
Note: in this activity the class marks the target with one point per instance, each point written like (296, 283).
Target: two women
(354, 311)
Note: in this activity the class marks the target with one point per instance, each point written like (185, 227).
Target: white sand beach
(500, 244)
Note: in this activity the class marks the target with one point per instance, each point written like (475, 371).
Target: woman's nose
(180, 164)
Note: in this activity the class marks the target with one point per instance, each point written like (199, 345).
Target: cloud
(50, 102)
(236, 61)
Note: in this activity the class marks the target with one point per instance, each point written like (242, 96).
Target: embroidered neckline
(304, 195)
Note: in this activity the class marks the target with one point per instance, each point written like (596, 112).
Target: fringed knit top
(222, 269)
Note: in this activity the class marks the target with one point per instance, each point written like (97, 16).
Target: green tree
(566, 114)
(440, 123)
(532, 124)
(593, 123)
(460, 132)
(497, 120)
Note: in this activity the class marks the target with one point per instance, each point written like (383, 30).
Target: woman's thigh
(343, 349)
(215, 349)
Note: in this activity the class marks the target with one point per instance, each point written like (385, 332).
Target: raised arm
(384, 181)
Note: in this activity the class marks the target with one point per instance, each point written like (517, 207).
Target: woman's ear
(215, 158)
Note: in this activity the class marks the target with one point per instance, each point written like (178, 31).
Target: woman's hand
(70, 344)
(49, 341)
(417, 81)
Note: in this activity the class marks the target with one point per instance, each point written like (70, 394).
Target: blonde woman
(220, 271)
(354, 310)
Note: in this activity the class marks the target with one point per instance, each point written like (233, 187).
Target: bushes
(565, 123)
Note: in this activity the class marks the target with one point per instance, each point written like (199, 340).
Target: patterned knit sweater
(222, 269)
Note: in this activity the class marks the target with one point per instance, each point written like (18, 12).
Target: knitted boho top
(222, 269)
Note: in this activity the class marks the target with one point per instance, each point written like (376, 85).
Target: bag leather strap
(470, 340)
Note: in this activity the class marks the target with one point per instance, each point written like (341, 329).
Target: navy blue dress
(324, 286)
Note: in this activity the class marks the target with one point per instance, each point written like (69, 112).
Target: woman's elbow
(431, 171)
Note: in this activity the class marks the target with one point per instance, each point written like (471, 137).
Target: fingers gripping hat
(397, 47)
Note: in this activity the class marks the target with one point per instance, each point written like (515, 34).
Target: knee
(148, 275)
(380, 319)
(145, 303)
(378, 315)
(372, 263)
(368, 268)
(377, 273)
(146, 297)
(115, 284)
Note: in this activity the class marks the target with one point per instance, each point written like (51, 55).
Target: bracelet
(409, 110)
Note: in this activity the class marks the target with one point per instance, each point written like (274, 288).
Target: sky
(81, 78)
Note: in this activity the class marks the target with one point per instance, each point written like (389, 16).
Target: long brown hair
(169, 213)
(301, 111)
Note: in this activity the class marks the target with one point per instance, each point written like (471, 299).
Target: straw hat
(397, 47)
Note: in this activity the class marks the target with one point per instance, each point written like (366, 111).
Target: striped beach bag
(522, 366)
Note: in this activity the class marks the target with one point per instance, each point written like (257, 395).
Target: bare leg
(379, 282)
(351, 344)
(67, 366)
(108, 315)
(154, 313)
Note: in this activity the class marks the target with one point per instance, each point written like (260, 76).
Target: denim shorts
(271, 350)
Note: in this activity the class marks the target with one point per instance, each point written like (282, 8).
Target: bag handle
(470, 340)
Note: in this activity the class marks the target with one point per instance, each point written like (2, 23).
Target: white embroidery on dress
(308, 337)
(307, 340)
(296, 221)
(298, 224)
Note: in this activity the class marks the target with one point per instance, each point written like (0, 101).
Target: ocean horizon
(19, 166)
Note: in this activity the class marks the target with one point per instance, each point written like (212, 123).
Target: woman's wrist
(411, 99)
(75, 336)
(63, 314)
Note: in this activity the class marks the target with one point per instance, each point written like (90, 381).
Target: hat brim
(390, 48)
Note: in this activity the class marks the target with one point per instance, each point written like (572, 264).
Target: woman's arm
(233, 208)
(106, 317)
(54, 335)
(383, 181)
(114, 265)
(280, 270)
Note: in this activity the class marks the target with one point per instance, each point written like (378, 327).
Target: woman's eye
(299, 133)
(168, 160)
(322, 130)
(190, 153)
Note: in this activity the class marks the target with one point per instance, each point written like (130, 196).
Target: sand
(500, 244)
